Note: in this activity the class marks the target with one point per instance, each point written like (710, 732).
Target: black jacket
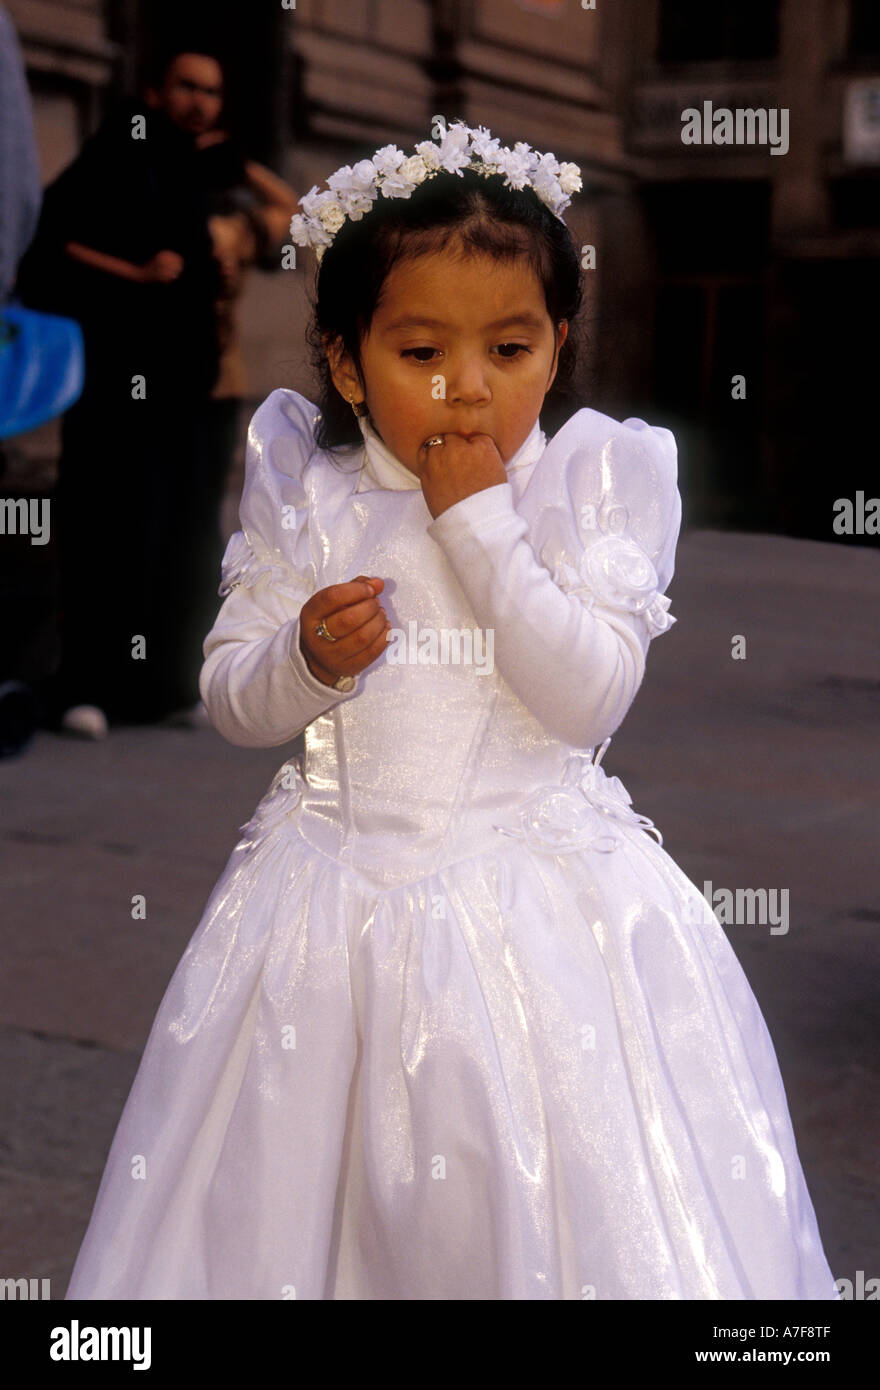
(131, 197)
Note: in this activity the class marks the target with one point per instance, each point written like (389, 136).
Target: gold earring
(359, 407)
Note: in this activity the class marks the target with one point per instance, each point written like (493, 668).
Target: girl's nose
(468, 384)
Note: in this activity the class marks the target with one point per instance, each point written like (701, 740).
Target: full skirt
(526, 1075)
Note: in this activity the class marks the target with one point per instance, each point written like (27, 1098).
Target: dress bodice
(434, 749)
(466, 728)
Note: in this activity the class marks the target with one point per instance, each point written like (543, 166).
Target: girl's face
(456, 346)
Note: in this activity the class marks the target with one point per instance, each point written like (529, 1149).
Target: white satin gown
(449, 1026)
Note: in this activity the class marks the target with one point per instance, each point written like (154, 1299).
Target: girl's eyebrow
(527, 320)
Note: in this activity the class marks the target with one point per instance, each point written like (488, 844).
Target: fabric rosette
(237, 558)
(615, 572)
(580, 812)
(620, 574)
(241, 566)
(607, 794)
(280, 801)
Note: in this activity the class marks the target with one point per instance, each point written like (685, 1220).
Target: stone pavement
(761, 773)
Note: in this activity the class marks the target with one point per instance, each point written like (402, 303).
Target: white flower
(320, 236)
(355, 188)
(430, 154)
(311, 201)
(414, 169)
(299, 232)
(342, 178)
(605, 794)
(526, 151)
(356, 204)
(360, 179)
(484, 145)
(280, 802)
(387, 160)
(454, 151)
(620, 574)
(307, 231)
(545, 182)
(407, 178)
(559, 820)
(396, 187)
(570, 178)
(581, 812)
(331, 216)
(515, 168)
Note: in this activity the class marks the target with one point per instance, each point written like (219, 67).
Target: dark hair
(485, 216)
(161, 58)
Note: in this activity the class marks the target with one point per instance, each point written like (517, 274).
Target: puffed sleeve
(571, 579)
(255, 683)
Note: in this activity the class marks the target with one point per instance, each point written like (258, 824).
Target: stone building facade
(736, 285)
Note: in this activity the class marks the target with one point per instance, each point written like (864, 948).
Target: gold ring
(321, 631)
(435, 439)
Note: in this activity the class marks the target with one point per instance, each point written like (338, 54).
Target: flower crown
(352, 191)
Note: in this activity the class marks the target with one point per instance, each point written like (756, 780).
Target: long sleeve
(255, 683)
(570, 639)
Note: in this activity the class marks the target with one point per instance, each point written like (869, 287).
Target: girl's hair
(483, 215)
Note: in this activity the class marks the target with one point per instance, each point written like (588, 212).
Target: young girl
(453, 1025)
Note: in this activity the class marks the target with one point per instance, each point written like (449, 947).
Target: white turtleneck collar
(383, 469)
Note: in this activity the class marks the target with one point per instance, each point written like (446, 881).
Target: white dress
(450, 1026)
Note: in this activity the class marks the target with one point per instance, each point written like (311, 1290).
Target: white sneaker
(86, 720)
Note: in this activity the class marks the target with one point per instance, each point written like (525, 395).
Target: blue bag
(42, 367)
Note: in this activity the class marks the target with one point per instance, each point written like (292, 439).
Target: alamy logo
(739, 908)
(860, 1288)
(24, 1290)
(857, 518)
(25, 516)
(431, 646)
(75, 1343)
(745, 125)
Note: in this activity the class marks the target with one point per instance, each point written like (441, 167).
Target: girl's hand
(353, 615)
(457, 468)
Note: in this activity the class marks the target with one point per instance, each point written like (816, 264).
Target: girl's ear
(343, 370)
(561, 335)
